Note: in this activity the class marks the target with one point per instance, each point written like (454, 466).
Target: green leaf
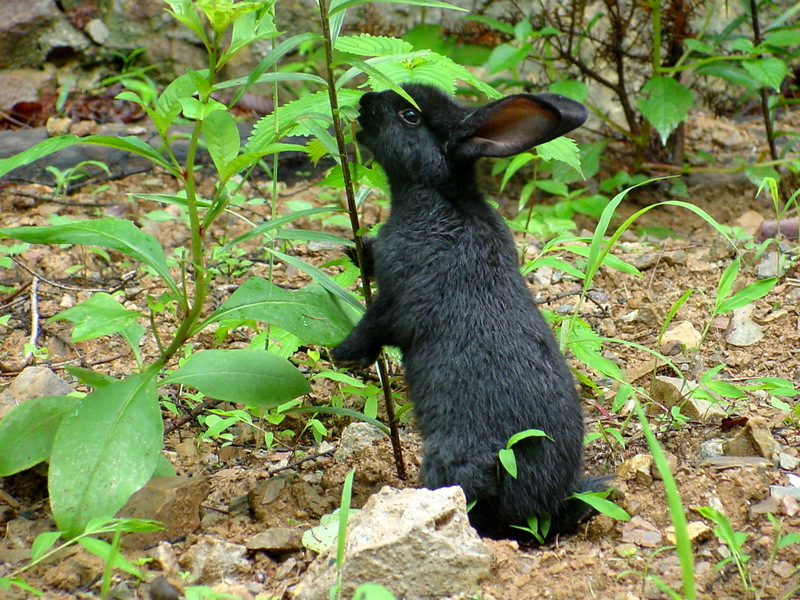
(222, 138)
(98, 316)
(747, 294)
(253, 377)
(109, 232)
(277, 223)
(28, 430)
(665, 104)
(321, 278)
(523, 435)
(372, 45)
(787, 540)
(311, 313)
(40, 150)
(603, 505)
(7, 582)
(562, 149)
(339, 5)
(105, 551)
(509, 461)
(104, 450)
(769, 72)
(571, 88)
(372, 591)
(43, 543)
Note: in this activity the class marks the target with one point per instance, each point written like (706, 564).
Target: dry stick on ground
(34, 319)
(394, 432)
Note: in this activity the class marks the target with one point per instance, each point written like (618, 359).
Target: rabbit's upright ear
(516, 123)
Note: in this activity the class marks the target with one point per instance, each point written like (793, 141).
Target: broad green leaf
(7, 582)
(665, 104)
(603, 505)
(311, 313)
(747, 294)
(571, 88)
(254, 377)
(99, 315)
(321, 278)
(109, 232)
(788, 540)
(731, 72)
(769, 71)
(222, 138)
(185, 12)
(28, 430)
(562, 149)
(105, 450)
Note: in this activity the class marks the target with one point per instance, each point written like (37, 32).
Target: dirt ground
(607, 560)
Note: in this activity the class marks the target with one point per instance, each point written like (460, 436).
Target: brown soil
(596, 563)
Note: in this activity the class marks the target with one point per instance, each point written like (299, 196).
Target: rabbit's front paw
(354, 353)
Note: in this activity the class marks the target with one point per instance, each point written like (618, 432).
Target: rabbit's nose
(367, 99)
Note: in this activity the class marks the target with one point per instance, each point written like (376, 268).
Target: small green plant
(64, 179)
(734, 540)
(46, 545)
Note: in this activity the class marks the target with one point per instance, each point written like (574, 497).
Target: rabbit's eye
(410, 116)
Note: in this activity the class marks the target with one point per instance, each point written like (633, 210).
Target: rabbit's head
(434, 142)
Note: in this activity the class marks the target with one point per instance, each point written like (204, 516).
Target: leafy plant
(45, 547)
(734, 540)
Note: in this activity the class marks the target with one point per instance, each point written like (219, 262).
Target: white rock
(416, 543)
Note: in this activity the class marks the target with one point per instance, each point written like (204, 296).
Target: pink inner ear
(518, 125)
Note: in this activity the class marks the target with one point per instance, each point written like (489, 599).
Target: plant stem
(352, 209)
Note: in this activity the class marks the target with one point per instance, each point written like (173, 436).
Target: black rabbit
(480, 361)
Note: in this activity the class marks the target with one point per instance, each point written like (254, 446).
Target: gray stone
(416, 543)
(770, 265)
(21, 23)
(97, 30)
(742, 330)
(33, 382)
(711, 449)
(788, 462)
(356, 437)
(641, 532)
(210, 559)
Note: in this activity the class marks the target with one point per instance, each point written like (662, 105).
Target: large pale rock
(755, 439)
(33, 382)
(210, 559)
(416, 543)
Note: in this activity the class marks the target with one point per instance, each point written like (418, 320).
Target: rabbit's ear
(516, 123)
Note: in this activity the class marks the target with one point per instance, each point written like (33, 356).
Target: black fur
(480, 361)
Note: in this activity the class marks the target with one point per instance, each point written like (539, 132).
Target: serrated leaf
(666, 104)
(254, 377)
(372, 45)
(104, 450)
(115, 234)
(562, 149)
(311, 312)
(769, 71)
(28, 430)
(99, 315)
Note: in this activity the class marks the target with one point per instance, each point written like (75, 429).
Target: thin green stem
(352, 209)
